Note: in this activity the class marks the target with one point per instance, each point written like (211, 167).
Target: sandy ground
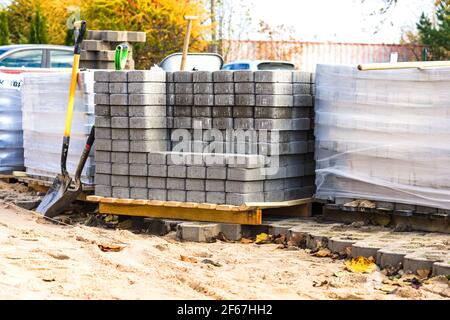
(41, 260)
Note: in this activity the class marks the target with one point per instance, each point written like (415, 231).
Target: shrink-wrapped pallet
(44, 104)
(11, 142)
(383, 135)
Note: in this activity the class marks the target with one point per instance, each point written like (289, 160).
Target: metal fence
(306, 55)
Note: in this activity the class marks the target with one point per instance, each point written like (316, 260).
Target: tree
(436, 36)
(230, 20)
(38, 29)
(162, 20)
(4, 29)
(56, 12)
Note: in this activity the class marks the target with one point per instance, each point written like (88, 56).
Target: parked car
(194, 61)
(254, 65)
(36, 56)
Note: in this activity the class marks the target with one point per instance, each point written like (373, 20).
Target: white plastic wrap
(11, 142)
(44, 104)
(383, 135)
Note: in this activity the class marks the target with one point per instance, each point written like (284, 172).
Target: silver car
(36, 56)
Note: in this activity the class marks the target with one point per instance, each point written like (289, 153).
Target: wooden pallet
(250, 213)
(8, 178)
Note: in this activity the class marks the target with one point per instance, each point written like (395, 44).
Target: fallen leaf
(246, 241)
(111, 247)
(360, 265)
(188, 259)
(215, 264)
(322, 253)
(423, 273)
(262, 238)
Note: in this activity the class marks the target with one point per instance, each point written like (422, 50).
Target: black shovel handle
(85, 154)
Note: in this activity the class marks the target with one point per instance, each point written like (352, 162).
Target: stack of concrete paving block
(204, 177)
(98, 50)
(275, 161)
(274, 109)
(130, 122)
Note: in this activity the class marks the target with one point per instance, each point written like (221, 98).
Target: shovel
(61, 193)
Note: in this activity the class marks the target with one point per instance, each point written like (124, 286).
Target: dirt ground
(42, 260)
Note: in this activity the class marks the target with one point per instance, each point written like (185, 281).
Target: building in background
(306, 55)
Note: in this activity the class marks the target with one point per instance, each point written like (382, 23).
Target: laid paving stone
(393, 255)
(423, 259)
(442, 268)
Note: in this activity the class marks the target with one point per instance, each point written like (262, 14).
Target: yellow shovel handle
(73, 88)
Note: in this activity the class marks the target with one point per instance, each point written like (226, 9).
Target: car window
(237, 66)
(24, 58)
(61, 59)
(2, 51)
(275, 66)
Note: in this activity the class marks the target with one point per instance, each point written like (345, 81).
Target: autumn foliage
(162, 20)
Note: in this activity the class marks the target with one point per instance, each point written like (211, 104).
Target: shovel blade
(58, 197)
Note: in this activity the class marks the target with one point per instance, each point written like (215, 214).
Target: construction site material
(98, 51)
(44, 102)
(246, 214)
(381, 135)
(222, 270)
(11, 141)
(185, 133)
(187, 39)
(411, 252)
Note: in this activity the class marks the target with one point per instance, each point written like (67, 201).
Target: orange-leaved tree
(162, 21)
(55, 12)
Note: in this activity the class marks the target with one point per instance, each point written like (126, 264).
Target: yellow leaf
(322, 253)
(423, 273)
(260, 238)
(111, 247)
(360, 265)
